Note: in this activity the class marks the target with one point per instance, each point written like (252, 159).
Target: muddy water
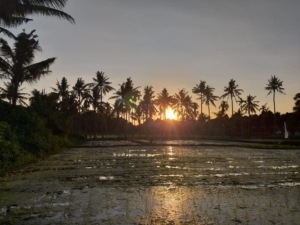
(156, 185)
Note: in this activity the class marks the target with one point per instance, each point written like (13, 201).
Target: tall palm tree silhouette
(164, 100)
(199, 89)
(209, 98)
(274, 84)
(101, 81)
(14, 12)
(17, 64)
(232, 91)
(182, 104)
(79, 89)
(8, 93)
(148, 103)
(250, 106)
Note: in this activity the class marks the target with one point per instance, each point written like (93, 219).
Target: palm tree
(239, 113)
(209, 98)
(62, 89)
(182, 103)
(8, 93)
(148, 102)
(164, 100)
(273, 85)
(125, 97)
(137, 114)
(263, 110)
(223, 108)
(17, 64)
(14, 12)
(102, 82)
(232, 91)
(42, 103)
(79, 89)
(199, 89)
(250, 106)
(221, 115)
(194, 112)
(296, 108)
(95, 100)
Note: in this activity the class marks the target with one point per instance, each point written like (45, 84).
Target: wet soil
(155, 185)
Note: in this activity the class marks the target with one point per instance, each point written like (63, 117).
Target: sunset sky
(175, 44)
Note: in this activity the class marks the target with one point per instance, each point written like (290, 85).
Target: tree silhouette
(79, 89)
(103, 84)
(8, 93)
(42, 103)
(125, 97)
(17, 64)
(263, 110)
(148, 103)
(14, 12)
(209, 98)
(164, 100)
(199, 89)
(274, 84)
(182, 104)
(62, 88)
(232, 91)
(296, 108)
(250, 106)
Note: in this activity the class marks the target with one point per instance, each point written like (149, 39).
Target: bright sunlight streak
(170, 114)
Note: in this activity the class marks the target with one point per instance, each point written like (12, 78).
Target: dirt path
(156, 185)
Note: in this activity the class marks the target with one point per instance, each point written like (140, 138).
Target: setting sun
(170, 114)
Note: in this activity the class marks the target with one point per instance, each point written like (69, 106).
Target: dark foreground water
(156, 185)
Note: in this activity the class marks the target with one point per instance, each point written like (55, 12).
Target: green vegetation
(25, 138)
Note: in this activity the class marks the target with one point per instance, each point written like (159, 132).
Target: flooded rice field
(155, 185)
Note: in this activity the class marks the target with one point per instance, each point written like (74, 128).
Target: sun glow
(170, 114)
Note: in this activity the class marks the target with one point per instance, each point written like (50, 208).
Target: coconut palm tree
(95, 100)
(199, 89)
(8, 93)
(125, 97)
(274, 84)
(79, 89)
(194, 112)
(209, 98)
(14, 12)
(17, 64)
(296, 108)
(138, 114)
(62, 89)
(148, 103)
(221, 115)
(164, 100)
(263, 110)
(42, 103)
(182, 103)
(232, 91)
(250, 106)
(101, 81)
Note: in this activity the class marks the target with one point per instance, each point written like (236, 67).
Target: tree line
(80, 109)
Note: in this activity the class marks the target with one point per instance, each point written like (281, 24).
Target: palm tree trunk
(249, 122)
(208, 112)
(231, 107)
(201, 102)
(274, 112)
